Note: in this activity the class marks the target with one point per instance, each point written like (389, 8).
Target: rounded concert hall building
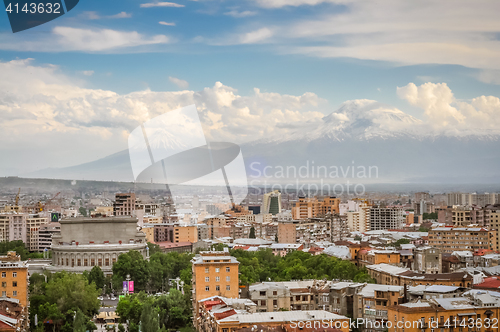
(86, 242)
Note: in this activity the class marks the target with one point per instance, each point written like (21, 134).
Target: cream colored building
(23, 227)
(359, 221)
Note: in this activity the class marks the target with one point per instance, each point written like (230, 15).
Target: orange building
(378, 256)
(287, 232)
(14, 278)
(215, 273)
(186, 234)
(312, 207)
(446, 314)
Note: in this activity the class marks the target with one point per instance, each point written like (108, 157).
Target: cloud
(172, 24)
(120, 15)
(256, 36)
(88, 72)
(180, 83)
(237, 14)
(447, 115)
(92, 15)
(295, 3)
(489, 76)
(400, 32)
(64, 39)
(161, 4)
(40, 106)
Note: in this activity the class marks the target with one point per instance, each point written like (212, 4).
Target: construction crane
(40, 207)
(17, 197)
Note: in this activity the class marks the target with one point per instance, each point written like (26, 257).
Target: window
(14, 284)
(85, 262)
(72, 262)
(106, 261)
(4, 284)
(228, 278)
(99, 261)
(92, 262)
(217, 279)
(206, 270)
(228, 269)
(207, 279)
(262, 302)
(207, 288)
(217, 288)
(262, 293)
(228, 287)
(4, 274)
(275, 302)
(79, 262)
(217, 270)
(67, 261)
(14, 293)
(4, 293)
(274, 292)
(14, 274)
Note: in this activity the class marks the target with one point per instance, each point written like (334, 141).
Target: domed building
(87, 242)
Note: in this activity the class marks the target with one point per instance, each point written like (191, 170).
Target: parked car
(100, 298)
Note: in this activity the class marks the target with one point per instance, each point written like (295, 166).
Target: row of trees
(20, 248)
(65, 301)
(152, 313)
(263, 265)
(154, 275)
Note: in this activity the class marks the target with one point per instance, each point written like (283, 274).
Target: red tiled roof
(167, 244)
(490, 283)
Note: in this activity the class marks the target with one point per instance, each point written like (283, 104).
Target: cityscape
(250, 166)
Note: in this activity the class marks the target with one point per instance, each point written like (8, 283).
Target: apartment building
(312, 207)
(271, 202)
(14, 278)
(447, 314)
(23, 227)
(386, 274)
(124, 204)
(358, 221)
(450, 239)
(427, 260)
(495, 224)
(383, 218)
(45, 234)
(175, 233)
(215, 273)
(378, 256)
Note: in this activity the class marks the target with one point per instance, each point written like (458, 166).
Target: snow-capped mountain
(361, 133)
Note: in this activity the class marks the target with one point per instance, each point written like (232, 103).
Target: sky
(72, 90)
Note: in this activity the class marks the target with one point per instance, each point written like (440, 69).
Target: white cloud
(92, 15)
(85, 40)
(294, 3)
(88, 72)
(40, 107)
(237, 14)
(120, 15)
(256, 36)
(489, 76)
(445, 114)
(180, 83)
(172, 24)
(401, 32)
(161, 4)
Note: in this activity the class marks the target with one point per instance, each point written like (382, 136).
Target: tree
(252, 233)
(276, 238)
(153, 248)
(121, 328)
(399, 242)
(357, 238)
(82, 211)
(80, 322)
(71, 291)
(96, 276)
(133, 264)
(149, 319)
(427, 216)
